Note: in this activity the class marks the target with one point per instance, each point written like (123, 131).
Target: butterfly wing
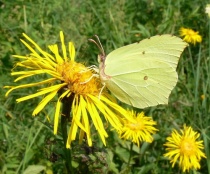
(143, 74)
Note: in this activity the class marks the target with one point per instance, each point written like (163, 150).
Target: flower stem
(197, 78)
(129, 160)
(67, 102)
(191, 61)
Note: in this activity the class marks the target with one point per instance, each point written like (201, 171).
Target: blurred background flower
(207, 9)
(190, 35)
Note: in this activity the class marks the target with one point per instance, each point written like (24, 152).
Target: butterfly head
(101, 59)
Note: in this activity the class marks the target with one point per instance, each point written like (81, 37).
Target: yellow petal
(44, 91)
(43, 103)
(71, 51)
(63, 45)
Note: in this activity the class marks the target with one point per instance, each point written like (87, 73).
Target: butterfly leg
(94, 68)
(101, 90)
(94, 75)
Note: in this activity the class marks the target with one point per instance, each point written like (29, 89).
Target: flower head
(141, 129)
(185, 148)
(202, 97)
(190, 36)
(71, 80)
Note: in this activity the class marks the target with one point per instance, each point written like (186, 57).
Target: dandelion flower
(185, 148)
(190, 36)
(141, 129)
(71, 80)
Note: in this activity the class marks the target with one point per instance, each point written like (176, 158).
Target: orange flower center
(135, 126)
(187, 147)
(191, 33)
(79, 78)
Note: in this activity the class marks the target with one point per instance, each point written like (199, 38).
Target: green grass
(26, 140)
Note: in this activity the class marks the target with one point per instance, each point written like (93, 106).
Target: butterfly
(142, 74)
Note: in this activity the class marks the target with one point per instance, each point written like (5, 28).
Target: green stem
(129, 160)
(209, 38)
(194, 76)
(197, 78)
(67, 102)
(197, 73)
(191, 60)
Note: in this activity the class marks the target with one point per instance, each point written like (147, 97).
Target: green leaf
(34, 169)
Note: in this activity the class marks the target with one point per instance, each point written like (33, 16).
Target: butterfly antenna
(98, 44)
(102, 49)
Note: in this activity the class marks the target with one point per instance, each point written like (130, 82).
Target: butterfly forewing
(166, 48)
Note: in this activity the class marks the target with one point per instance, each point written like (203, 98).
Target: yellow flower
(73, 82)
(185, 148)
(202, 97)
(141, 129)
(190, 36)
